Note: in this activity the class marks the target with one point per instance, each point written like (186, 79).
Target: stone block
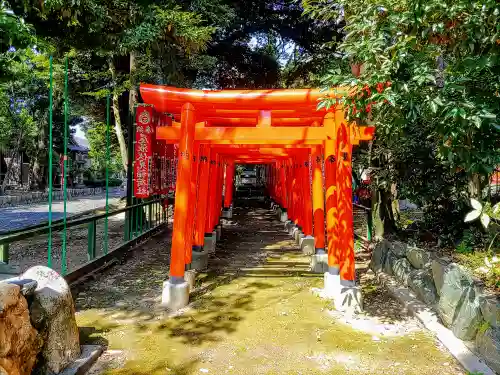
(401, 269)
(490, 308)
(390, 258)
(398, 248)
(349, 300)
(421, 282)
(378, 256)
(199, 260)
(439, 268)
(175, 295)
(456, 282)
(307, 245)
(418, 257)
(319, 263)
(52, 313)
(488, 345)
(468, 317)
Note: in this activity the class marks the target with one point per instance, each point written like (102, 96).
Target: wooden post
(188, 235)
(344, 201)
(229, 183)
(202, 208)
(182, 193)
(212, 190)
(318, 200)
(283, 184)
(307, 228)
(331, 197)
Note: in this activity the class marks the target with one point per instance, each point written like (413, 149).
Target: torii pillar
(176, 290)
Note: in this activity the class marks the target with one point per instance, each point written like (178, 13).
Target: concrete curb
(430, 320)
(90, 354)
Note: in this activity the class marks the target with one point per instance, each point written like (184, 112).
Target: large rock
(53, 314)
(402, 269)
(418, 257)
(490, 308)
(19, 341)
(378, 256)
(398, 248)
(468, 317)
(488, 345)
(421, 282)
(390, 259)
(439, 268)
(455, 285)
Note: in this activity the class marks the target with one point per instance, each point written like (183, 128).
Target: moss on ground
(262, 320)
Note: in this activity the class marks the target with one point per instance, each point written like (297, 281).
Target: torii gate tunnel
(212, 131)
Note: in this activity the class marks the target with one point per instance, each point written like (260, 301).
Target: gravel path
(252, 313)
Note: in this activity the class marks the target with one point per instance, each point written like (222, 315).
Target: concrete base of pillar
(298, 235)
(349, 300)
(307, 245)
(210, 240)
(227, 213)
(283, 216)
(319, 263)
(288, 226)
(218, 232)
(200, 260)
(331, 287)
(278, 212)
(175, 296)
(190, 277)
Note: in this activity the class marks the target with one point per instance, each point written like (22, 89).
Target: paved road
(26, 215)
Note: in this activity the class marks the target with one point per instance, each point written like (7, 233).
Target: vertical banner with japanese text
(143, 151)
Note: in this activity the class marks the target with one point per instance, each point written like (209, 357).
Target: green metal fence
(81, 244)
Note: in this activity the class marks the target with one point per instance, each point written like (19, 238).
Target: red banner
(143, 162)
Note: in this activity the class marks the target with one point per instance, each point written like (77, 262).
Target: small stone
(204, 370)
(378, 256)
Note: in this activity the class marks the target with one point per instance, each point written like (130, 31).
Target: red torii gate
(280, 128)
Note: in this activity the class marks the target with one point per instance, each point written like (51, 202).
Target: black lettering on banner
(344, 155)
(331, 159)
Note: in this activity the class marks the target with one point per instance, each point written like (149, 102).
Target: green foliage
(429, 82)
(98, 153)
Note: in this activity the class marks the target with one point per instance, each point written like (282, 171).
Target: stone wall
(460, 301)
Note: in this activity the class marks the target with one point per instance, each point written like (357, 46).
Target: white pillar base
(307, 245)
(175, 296)
(349, 300)
(319, 263)
(218, 232)
(199, 261)
(210, 241)
(331, 284)
(283, 216)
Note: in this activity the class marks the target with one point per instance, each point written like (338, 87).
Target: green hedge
(113, 182)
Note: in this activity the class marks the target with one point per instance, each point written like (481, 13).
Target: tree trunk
(475, 186)
(116, 113)
(132, 98)
(383, 219)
